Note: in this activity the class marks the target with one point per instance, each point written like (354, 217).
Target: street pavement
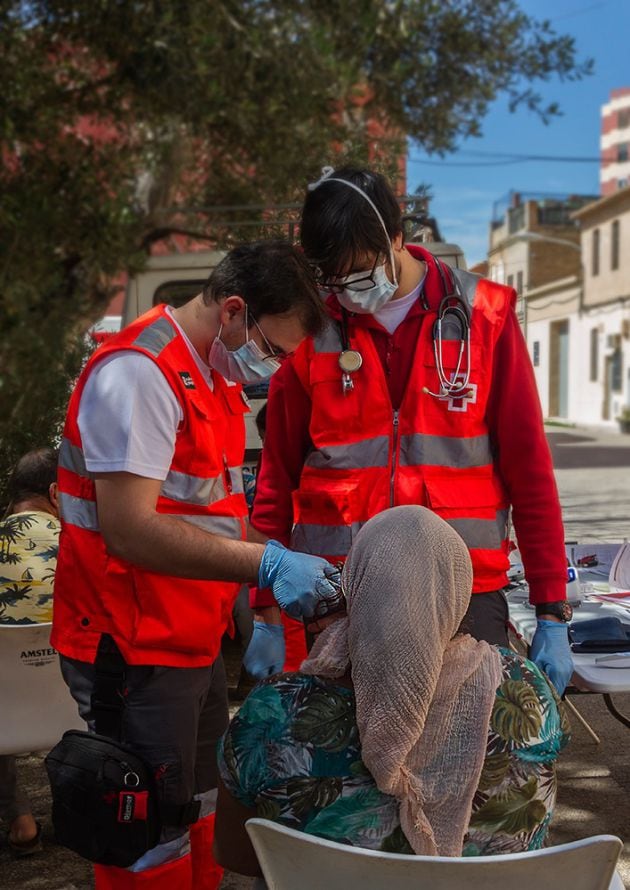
(593, 475)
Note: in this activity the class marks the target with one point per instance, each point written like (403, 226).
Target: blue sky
(463, 196)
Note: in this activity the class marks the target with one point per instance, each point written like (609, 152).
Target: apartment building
(600, 368)
(535, 248)
(615, 142)
(534, 240)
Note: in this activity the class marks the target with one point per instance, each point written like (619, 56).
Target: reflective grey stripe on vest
(71, 458)
(156, 336)
(334, 540)
(467, 283)
(420, 449)
(482, 534)
(208, 801)
(329, 340)
(366, 453)
(227, 526)
(236, 478)
(193, 489)
(200, 490)
(78, 511)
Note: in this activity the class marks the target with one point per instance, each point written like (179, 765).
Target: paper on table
(618, 597)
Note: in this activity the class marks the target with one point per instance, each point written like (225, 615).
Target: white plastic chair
(35, 704)
(291, 859)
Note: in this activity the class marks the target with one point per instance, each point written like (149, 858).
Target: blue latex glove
(550, 650)
(298, 581)
(265, 653)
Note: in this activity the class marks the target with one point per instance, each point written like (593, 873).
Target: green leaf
(267, 808)
(312, 793)
(260, 723)
(349, 817)
(264, 704)
(396, 842)
(359, 769)
(514, 811)
(517, 713)
(494, 770)
(327, 721)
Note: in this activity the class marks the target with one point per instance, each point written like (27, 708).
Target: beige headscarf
(424, 696)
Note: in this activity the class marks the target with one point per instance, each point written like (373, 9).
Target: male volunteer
(152, 549)
(419, 390)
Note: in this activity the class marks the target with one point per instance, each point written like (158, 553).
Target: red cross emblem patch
(461, 400)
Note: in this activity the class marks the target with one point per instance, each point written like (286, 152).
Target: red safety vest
(154, 618)
(437, 452)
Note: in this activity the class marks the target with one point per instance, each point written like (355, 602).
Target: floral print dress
(293, 754)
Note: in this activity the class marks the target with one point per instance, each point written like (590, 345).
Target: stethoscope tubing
(448, 388)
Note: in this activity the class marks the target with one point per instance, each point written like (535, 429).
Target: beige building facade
(569, 260)
(533, 241)
(603, 371)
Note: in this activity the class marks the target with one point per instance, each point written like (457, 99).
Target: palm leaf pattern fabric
(29, 542)
(293, 754)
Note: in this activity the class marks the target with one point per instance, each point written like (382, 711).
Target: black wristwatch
(561, 609)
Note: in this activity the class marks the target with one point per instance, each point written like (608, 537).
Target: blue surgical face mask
(374, 298)
(247, 364)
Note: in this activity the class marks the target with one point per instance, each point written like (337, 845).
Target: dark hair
(32, 475)
(338, 224)
(261, 421)
(274, 278)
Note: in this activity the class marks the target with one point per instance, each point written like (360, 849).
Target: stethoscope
(452, 308)
(350, 360)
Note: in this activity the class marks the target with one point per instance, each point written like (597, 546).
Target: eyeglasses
(355, 281)
(275, 352)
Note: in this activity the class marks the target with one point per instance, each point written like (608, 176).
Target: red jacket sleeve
(525, 465)
(287, 441)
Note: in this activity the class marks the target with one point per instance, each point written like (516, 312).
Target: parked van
(175, 278)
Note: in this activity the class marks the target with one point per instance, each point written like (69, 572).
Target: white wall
(587, 396)
(538, 331)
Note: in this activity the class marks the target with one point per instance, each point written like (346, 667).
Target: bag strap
(180, 815)
(107, 701)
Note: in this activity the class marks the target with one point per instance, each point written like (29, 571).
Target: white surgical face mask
(247, 364)
(370, 300)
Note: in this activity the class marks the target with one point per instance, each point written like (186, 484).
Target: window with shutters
(614, 245)
(595, 252)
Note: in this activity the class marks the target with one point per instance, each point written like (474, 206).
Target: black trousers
(487, 618)
(173, 718)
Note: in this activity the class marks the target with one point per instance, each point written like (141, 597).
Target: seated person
(401, 732)
(29, 540)
(29, 535)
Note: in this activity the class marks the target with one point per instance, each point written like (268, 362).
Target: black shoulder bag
(105, 805)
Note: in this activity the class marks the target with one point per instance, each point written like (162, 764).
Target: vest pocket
(474, 506)
(182, 615)
(326, 520)
(462, 495)
(236, 400)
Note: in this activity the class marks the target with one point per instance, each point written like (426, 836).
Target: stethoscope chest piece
(350, 361)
